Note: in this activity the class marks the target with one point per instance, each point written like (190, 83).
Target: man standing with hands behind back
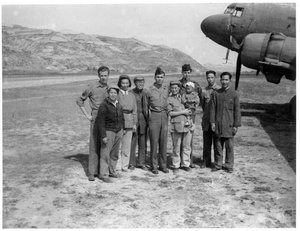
(225, 118)
(96, 92)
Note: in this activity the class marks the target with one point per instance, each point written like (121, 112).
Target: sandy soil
(45, 156)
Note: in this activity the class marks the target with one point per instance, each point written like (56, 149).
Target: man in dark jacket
(225, 118)
(140, 135)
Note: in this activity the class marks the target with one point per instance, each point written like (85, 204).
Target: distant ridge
(69, 51)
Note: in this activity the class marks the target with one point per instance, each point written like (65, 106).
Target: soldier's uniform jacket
(205, 100)
(225, 111)
(157, 98)
(177, 122)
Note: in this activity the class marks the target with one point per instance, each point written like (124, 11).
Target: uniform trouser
(192, 143)
(158, 128)
(181, 158)
(94, 149)
(125, 148)
(109, 153)
(207, 144)
(218, 148)
(141, 140)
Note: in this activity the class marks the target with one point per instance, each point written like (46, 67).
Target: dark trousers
(94, 149)
(141, 140)
(158, 128)
(229, 156)
(207, 144)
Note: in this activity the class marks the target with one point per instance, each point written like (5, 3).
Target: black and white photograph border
(51, 54)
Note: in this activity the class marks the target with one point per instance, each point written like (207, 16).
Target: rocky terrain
(27, 49)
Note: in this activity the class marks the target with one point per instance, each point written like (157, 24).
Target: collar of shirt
(212, 87)
(102, 85)
(114, 103)
(124, 92)
(158, 89)
(136, 90)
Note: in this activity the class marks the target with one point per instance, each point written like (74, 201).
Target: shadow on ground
(83, 159)
(277, 121)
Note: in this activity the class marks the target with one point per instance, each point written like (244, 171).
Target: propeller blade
(238, 71)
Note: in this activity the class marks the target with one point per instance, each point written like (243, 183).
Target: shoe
(229, 170)
(91, 178)
(176, 171)
(164, 170)
(106, 180)
(215, 169)
(224, 168)
(116, 175)
(125, 170)
(154, 171)
(144, 168)
(202, 166)
(187, 169)
(192, 166)
(131, 167)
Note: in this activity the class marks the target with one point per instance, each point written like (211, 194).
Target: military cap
(124, 77)
(113, 87)
(138, 78)
(187, 67)
(159, 71)
(175, 82)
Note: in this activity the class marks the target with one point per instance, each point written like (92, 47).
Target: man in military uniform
(225, 118)
(140, 135)
(96, 93)
(186, 70)
(158, 122)
(206, 127)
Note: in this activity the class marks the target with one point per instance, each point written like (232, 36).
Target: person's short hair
(210, 72)
(123, 77)
(113, 87)
(159, 71)
(186, 67)
(226, 73)
(102, 69)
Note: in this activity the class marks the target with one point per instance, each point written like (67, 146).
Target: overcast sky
(175, 24)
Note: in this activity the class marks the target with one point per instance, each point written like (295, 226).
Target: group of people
(122, 118)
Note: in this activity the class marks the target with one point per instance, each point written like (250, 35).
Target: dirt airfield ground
(45, 155)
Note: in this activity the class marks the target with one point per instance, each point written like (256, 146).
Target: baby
(190, 100)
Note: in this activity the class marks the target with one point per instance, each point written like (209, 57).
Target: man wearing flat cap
(96, 92)
(140, 135)
(158, 122)
(186, 71)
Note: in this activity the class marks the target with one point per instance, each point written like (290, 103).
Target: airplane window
(229, 10)
(238, 12)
